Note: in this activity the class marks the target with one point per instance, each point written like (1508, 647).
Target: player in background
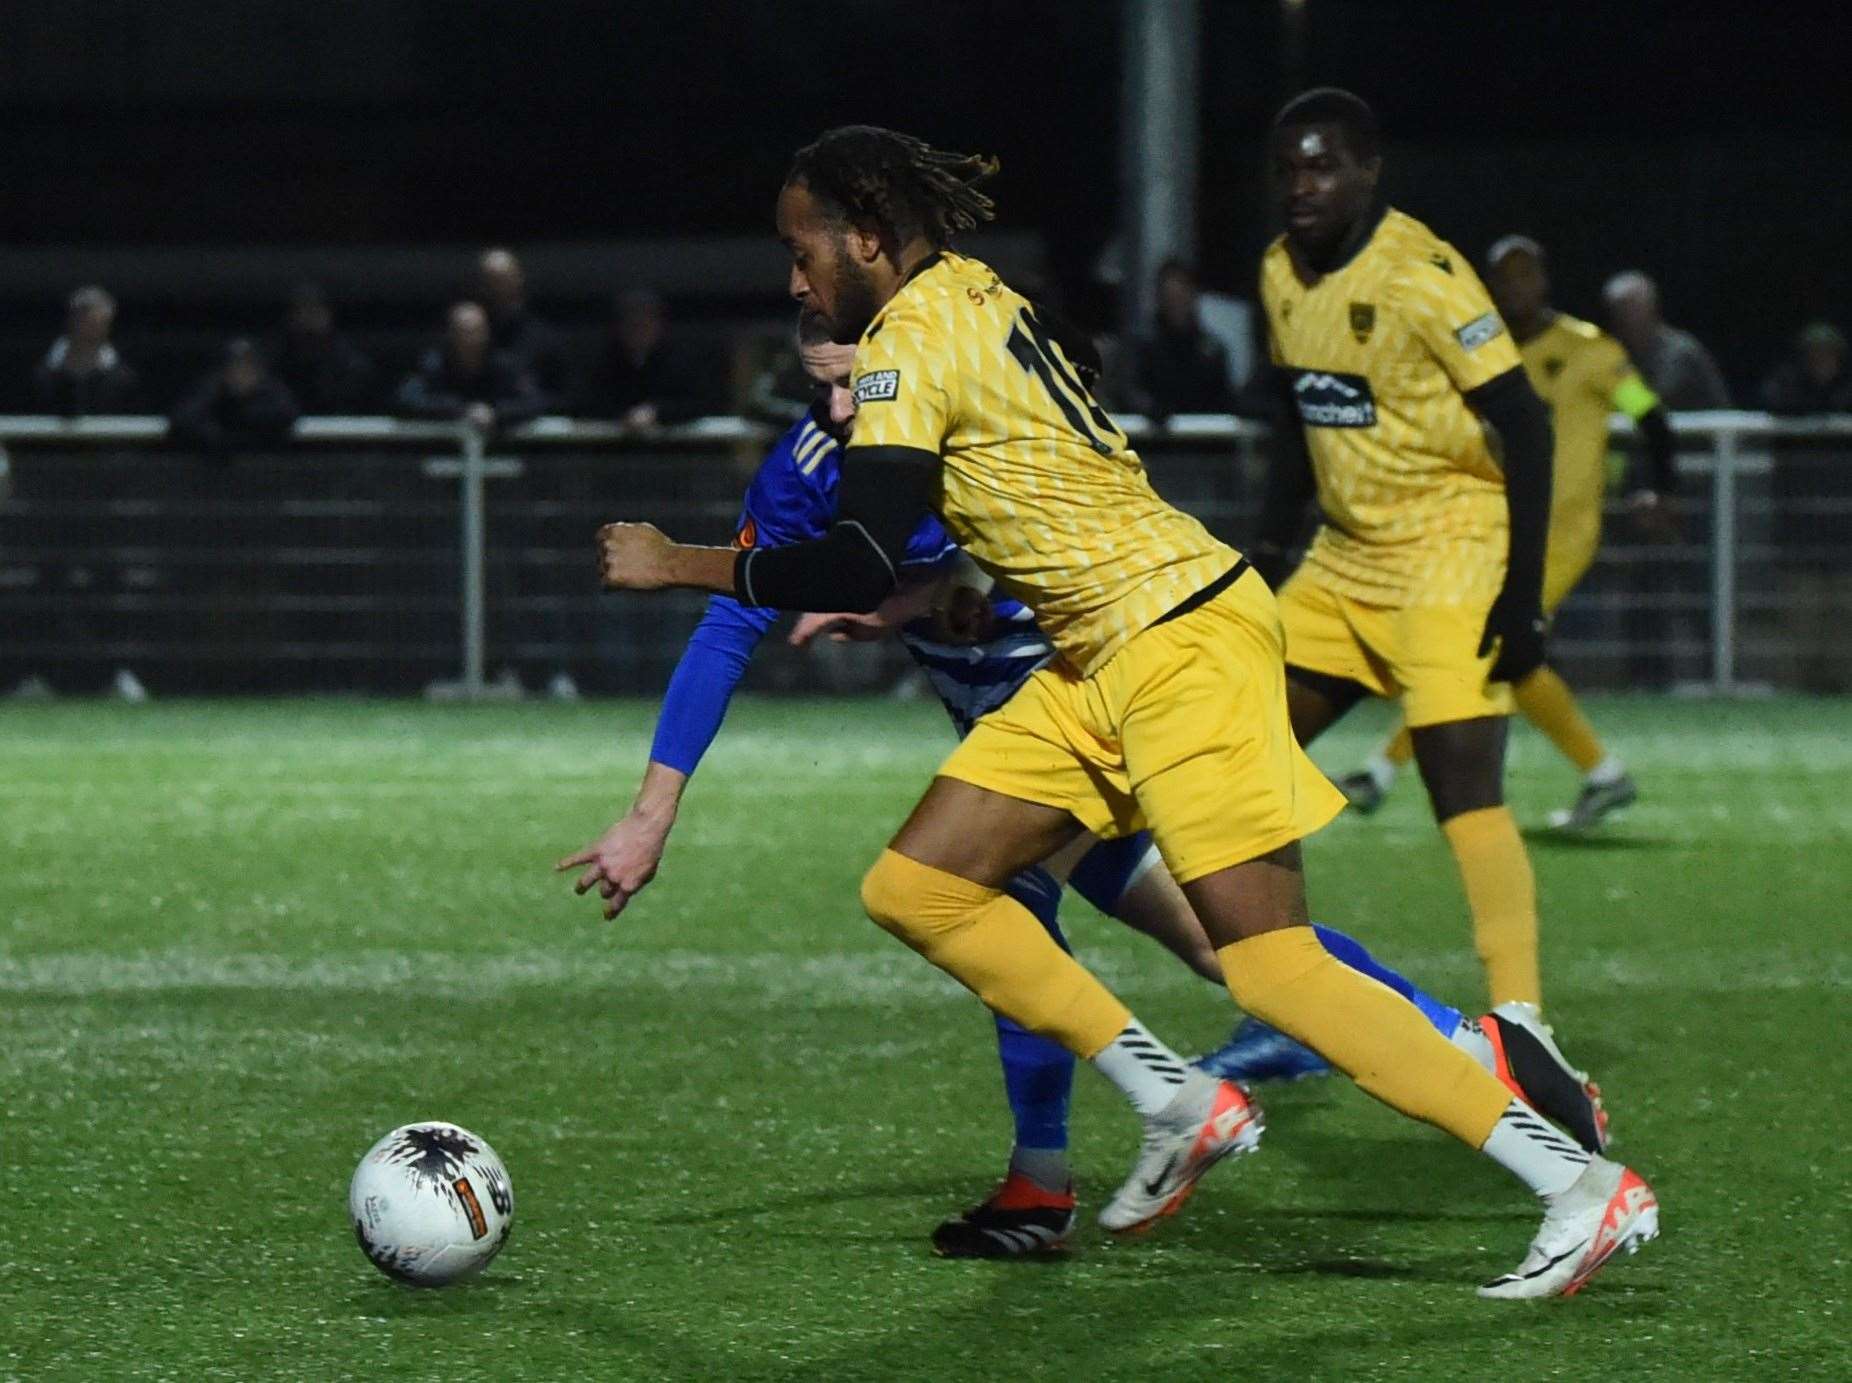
(1425, 580)
(1584, 375)
(976, 650)
(1164, 708)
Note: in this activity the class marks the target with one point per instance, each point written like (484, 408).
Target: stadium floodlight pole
(1159, 146)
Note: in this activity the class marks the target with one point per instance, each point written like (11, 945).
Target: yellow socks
(1365, 1029)
(989, 943)
(1548, 704)
(1501, 891)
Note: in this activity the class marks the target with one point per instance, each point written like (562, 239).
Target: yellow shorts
(1427, 655)
(1183, 733)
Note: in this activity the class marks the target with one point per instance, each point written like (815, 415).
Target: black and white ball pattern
(431, 1204)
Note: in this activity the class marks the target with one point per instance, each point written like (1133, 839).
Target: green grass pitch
(238, 942)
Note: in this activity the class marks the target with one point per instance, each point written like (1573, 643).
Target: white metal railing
(1733, 453)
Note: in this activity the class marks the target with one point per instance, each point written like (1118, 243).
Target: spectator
(1811, 490)
(240, 406)
(466, 379)
(517, 333)
(1180, 367)
(1660, 620)
(82, 372)
(322, 367)
(1674, 362)
(642, 378)
(1814, 379)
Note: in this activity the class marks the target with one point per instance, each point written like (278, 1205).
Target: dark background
(1710, 146)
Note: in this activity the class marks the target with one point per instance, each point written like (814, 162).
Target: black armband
(1522, 420)
(883, 494)
(1290, 484)
(1661, 450)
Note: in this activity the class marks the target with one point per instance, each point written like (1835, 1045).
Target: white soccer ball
(431, 1204)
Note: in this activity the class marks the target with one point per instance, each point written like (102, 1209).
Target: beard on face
(855, 301)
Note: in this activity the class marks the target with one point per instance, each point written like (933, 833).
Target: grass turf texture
(241, 941)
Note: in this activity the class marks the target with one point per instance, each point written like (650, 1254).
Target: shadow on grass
(1550, 838)
(489, 1293)
(955, 1192)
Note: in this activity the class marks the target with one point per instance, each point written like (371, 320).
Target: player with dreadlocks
(1165, 707)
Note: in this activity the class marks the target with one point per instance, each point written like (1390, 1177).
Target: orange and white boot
(1609, 1208)
(1208, 1120)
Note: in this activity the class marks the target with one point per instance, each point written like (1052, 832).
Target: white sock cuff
(1533, 1151)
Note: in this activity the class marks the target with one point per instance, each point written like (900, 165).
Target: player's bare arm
(854, 567)
(622, 861)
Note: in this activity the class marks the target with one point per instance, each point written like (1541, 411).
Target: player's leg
(937, 887)
(1127, 879)
(1032, 1210)
(1462, 763)
(1459, 721)
(1365, 788)
(1548, 703)
(1228, 822)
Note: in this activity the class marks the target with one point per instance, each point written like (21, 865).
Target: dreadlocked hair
(900, 183)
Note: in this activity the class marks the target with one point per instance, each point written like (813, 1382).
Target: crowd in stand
(497, 362)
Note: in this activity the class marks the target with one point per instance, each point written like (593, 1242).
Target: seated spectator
(322, 367)
(1180, 367)
(1674, 362)
(1815, 378)
(240, 406)
(82, 372)
(514, 330)
(642, 378)
(465, 379)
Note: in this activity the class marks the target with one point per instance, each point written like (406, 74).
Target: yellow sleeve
(1451, 313)
(904, 386)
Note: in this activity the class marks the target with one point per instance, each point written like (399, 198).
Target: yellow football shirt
(1039, 485)
(1584, 375)
(1380, 351)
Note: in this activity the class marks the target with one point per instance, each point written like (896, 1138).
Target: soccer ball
(431, 1204)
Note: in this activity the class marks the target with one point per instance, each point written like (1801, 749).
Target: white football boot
(1609, 1208)
(1206, 1121)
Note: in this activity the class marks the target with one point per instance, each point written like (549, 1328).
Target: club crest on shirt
(1362, 321)
(876, 386)
(1478, 331)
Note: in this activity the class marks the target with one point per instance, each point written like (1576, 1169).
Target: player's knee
(886, 893)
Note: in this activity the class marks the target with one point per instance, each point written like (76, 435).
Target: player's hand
(621, 862)
(1515, 626)
(633, 557)
(1656, 516)
(841, 627)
